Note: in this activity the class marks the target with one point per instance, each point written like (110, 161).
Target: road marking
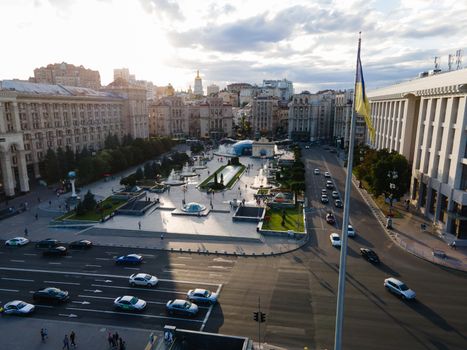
(17, 279)
(100, 275)
(12, 260)
(148, 255)
(30, 254)
(132, 268)
(135, 288)
(93, 291)
(220, 267)
(135, 315)
(9, 290)
(223, 260)
(68, 315)
(215, 274)
(177, 264)
(210, 309)
(184, 257)
(103, 259)
(106, 281)
(58, 282)
(90, 265)
(110, 252)
(55, 263)
(113, 298)
(81, 302)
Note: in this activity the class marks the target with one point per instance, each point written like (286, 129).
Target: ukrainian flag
(362, 106)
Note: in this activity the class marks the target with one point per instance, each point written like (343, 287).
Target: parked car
(317, 172)
(202, 296)
(143, 279)
(324, 199)
(55, 251)
(51, 294)
(329, 185)
(335, 239)
(335, 194)
(18, 307)
(399, 288)
(369, 255)
(330, 219)
(130, 259)
(350, 231)
(327, 174)
(338, 203)
(48, 243)
(324, 191)
(181, 307)
(81, 244)
(130, 303)
(17, 241)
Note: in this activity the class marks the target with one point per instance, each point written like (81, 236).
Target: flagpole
(344, 238)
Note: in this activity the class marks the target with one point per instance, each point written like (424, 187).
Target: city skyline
(312, 44)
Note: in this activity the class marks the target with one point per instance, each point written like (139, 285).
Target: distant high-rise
(198, 85)
(67, 74)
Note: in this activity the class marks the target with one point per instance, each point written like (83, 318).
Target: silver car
(399, 288)
(181, 307)
(131, 303)
(202, 296)
(18, 307)
(143, 279)
(17, 241)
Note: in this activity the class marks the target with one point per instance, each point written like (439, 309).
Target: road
(298, 290)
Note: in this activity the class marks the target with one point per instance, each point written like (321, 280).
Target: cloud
(164, 9)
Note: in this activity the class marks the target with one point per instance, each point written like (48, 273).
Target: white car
(143, 279)
(128, 302)
(17, 241)
(18, 307)
(317, 172)
(202, 295)
(329, 185)
(335, 239)
(324, 199)
(327, 175)
(399, 288)
(350, 231)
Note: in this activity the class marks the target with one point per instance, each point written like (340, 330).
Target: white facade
(264, 115)
(212, 89)
(198, 90)
(426, 121)
(282, 89)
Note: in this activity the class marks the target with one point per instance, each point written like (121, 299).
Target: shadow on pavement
(351, 252)
(388, 270)
(216, 319)
(362, 241)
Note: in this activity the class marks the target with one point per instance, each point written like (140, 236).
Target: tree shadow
(362, 241)
(386, 269)
(351, 252)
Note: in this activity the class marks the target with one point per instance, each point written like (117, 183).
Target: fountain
(74, 198)
(260, 180)
(193, 208)
(187, 172)
(174, 179)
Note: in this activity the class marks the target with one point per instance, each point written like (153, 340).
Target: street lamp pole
(392, 175)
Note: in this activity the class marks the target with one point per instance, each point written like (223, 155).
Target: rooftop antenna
(458, 59)
(450, 60)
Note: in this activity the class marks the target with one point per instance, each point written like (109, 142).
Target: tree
(139, 174)
(89, 202)
(50, 166)
(148, 171)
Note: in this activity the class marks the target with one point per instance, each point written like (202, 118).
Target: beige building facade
(68, 75)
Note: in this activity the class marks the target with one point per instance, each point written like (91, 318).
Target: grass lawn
(94, 216)
(291, 216)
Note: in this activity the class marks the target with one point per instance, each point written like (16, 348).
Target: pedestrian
(162, 235)
(120, 344)
(116, 338)
(110, 339)
(43, 334)
(50, 203)
(66, 343)
(36, 216)
(25, 231)
(139, 224)
(453, 245)
(72, 338)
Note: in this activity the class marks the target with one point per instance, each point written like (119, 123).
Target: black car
(81, 244)
(48, 243)
(51, 294)
(369, 255)
(55, 251)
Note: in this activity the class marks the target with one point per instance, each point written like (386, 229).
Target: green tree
(89, 202)
(50, 167)
(139, 175)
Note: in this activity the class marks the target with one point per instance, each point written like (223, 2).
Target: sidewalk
(428, 244)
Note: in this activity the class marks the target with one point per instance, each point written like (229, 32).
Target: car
(130, 259)
(316, 171)
(351, 231)
(324, 199)
(17, 241)
(17, 307)
(335, 239)
(143, 279)
(330, 219)
(329, 185)
(51, 294)
(399, 288)
(48, 243)
(333, 151)
(338, 203)
(327, 174)
(335, 194)
(181, 307)
(369, 255)
(202, 296)
(324, 191)
(130, 303)
(307, 147)
(81, 244)
(55, 251)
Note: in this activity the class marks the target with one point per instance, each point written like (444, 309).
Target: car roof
(178, 302)
(134, 255)
(199, 290)
(334, 234)
(394, 280)
(142, 274)
(14, 302)
(127, 297)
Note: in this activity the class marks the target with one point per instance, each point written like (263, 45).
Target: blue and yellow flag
(362, 106)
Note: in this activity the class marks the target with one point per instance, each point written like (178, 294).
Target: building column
(2, 118)
(7, 171)
(15, 117)
(22, 171)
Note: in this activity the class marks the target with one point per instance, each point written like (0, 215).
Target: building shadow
(363, 242)
(386, 269)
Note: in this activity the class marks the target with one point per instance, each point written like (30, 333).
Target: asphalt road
(297, 290)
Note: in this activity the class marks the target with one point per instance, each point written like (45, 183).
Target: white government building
(425, 119)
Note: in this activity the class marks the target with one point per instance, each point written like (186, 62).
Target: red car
(330, 219)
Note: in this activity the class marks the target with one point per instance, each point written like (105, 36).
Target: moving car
(48, 243)
(18, 307)
(81, 244)
(202, 296)
(335, 194)
(369, 255)
(129, 302)
(17, 241)
(329, 185)
(335, 239)
(324, 191)
(350, 231)
(324, 198)
(330, 219)
(181, 307)
(399, 288)
(316, 171)
(327, 175)
(307, 147)
(51, 294)
(55, 251)
(143, 279)
(338, 203)
(130, 259)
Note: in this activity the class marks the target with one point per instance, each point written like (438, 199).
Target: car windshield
(147, 277)
(207, 293)
(187, 305)
(335, 238)
(403, 287)
(21, 305)
(134, 300)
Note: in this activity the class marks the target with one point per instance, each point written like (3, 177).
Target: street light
(184, 189)
(392, 175)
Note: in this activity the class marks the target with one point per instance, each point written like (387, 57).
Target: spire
(197, 74)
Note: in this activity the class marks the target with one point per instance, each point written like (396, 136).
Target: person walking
(72, 339)
(139, 224)
(66, 343)
(26, 231)
(110, 339)
(43, 334)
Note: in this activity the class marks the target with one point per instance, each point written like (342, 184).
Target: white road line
(17, 279)
(132, 268)
(146, 290)
(210, 310)
(30, 254)
(223, 260)
(58, 282)
(177, 264)
(216, 275)
(55, 263)
(220, 267)
(4, 268)
(9, 290)
(113, 298)
(136, 315)
(12, 260)
(90, 265)
(185, 257)
(103, 259)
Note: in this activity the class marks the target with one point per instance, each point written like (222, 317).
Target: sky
(312, 43)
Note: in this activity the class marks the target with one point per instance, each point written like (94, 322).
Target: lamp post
(184, 189)
(392, 175)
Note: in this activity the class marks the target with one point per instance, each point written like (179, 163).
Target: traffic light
(256, 316)
(263, 317)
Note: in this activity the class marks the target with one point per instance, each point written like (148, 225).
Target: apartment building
(342, 119)
(68, 75)
(264, 115)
